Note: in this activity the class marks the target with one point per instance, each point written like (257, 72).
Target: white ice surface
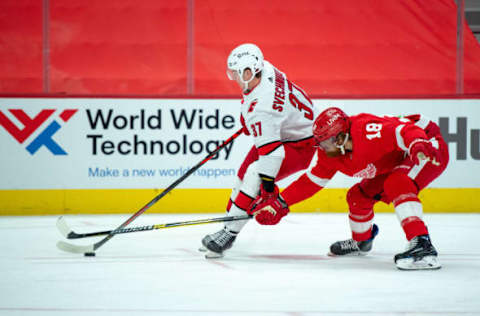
(280, 270)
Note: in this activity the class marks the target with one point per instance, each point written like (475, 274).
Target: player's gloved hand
(422, 149)
(269, 207)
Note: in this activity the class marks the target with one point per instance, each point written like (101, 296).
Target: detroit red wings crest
(368, 173)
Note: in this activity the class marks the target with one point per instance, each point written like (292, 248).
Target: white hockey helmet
(245, 56)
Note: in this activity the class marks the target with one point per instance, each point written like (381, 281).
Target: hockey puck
(89, 254)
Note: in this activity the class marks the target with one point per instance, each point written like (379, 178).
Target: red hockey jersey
(379, 145)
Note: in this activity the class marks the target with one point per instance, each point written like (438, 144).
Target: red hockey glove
(269, 207)
(422, 149)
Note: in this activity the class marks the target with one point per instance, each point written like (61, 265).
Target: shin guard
(361, 213)
(403, 192)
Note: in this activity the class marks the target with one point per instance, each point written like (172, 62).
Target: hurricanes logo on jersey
(252, 105)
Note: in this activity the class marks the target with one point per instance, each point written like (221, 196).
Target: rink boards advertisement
(102, 155)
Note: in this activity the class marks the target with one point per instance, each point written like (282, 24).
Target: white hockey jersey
(276, 111)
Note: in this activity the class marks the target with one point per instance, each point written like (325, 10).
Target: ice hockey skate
(420, 255)
(351, 247)
(215, 244)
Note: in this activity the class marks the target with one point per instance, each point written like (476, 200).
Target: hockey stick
(66, 231)
(90, 248)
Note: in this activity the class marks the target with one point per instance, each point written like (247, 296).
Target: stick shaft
(74, 235)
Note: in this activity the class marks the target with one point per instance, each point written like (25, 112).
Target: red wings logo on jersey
(252, 105)
(368, 173)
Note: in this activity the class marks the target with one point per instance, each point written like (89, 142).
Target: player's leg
(360, 204)
(297, 157)
(247, 179)
(420, 253)
(402, 188)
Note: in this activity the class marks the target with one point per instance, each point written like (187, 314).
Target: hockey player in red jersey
(278, 115)
(396, 158)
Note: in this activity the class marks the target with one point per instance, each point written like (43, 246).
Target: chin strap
(342, 146)
(245, 87)
(245, 83)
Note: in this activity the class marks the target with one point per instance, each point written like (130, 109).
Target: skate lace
(222, 237)
(349, 244)
(412, 244)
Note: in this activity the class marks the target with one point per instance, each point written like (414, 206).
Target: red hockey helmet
(330, 123)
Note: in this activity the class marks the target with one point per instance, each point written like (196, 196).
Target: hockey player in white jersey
(279, 116)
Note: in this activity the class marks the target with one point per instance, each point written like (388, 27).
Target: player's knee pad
(361, 213)
(236, 189)
(358, 202)
(246, 189)
(399, 188)
(251, 181)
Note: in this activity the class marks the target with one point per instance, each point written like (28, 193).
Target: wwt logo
(30, 125)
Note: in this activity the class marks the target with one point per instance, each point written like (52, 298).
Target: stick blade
(63, 227)
(66, 231)
(67, 247)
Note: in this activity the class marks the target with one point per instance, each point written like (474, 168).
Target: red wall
(124, 47)
(21, 46)
(118, 46)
